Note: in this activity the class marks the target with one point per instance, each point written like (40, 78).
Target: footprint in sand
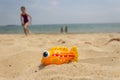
(61, 41)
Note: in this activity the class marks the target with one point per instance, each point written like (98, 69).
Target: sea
(70, 28)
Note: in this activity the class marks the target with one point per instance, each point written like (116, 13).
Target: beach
(99, 57)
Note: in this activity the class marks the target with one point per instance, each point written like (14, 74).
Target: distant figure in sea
(25, 21)
(66, 29)
(61, 29)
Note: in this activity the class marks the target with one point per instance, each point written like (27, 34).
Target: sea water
(56, 28)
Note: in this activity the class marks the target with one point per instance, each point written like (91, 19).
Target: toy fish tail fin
(74, 49)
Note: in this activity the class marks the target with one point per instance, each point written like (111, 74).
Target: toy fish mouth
(45, 62)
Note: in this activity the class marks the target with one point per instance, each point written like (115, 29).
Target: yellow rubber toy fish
(60, 55)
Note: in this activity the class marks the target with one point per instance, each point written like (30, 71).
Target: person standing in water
(61, 29)
(66, 29)
(25, 21)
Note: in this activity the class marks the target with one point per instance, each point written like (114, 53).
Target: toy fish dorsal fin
(64, 49)
(75, 51)
(60, 48)
(54, 48)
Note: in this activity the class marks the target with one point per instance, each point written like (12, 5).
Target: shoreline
(62, 33)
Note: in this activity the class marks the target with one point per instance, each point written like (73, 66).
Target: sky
(61, 11)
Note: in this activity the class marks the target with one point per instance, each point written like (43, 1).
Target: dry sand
(20, 57)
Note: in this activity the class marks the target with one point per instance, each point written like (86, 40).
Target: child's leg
(26, 29)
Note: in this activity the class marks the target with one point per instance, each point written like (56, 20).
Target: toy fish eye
(45, 54)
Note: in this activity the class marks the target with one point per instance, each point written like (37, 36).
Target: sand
(20, 57)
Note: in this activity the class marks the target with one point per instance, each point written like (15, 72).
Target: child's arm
(21, 20)
(30, 18)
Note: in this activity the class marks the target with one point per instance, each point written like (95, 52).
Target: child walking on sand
(24, 20)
